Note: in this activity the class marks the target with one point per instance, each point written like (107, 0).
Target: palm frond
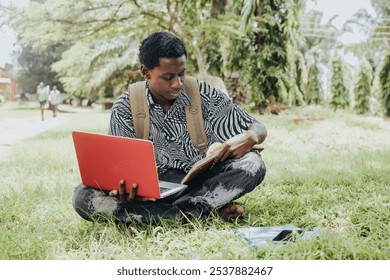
(247, 12)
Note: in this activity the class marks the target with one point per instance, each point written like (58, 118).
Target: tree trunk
(259, 13)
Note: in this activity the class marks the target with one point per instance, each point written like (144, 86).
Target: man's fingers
(131, 197)
(226, 152)
(225, 156)
(122, 191)
(113, 193)
(133, 192)
(221, 155)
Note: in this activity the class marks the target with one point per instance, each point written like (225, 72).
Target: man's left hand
(235, 147)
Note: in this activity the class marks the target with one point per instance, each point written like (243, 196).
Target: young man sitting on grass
(237, 169)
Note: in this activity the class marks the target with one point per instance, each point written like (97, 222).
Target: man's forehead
(170, 71)
(172, 65)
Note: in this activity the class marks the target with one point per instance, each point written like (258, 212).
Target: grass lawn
(326, 170)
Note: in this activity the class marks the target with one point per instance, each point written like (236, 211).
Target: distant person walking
(55, 100)
(42, 93)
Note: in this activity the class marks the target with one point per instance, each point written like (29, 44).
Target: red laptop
(105, 160)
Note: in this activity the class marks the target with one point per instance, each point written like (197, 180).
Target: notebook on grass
(105, 160)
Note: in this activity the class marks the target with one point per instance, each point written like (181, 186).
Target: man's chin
(173, 95)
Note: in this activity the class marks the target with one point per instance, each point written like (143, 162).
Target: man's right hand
(124, 198)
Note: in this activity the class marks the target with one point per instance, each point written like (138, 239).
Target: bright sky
(343, 8)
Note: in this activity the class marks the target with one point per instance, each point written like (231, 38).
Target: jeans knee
(81, 202)
(90, 202)
(251, 165)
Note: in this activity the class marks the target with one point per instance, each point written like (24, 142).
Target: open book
(205, 164)
(198, 168)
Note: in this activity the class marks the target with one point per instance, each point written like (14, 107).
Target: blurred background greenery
(267, 53)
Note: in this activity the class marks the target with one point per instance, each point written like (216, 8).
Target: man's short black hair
(160, 45)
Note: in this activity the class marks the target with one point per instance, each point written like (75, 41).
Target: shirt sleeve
(225, 117)
(121, 120)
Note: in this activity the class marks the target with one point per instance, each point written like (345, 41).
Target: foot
(231, 211)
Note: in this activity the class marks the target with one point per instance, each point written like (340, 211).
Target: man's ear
(145, 72)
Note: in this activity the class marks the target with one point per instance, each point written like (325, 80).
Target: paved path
(13, 130)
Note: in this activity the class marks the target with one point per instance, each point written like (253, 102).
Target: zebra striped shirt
(168, 131)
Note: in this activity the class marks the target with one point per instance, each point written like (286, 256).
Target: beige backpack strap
(139, 109)
(194, 115)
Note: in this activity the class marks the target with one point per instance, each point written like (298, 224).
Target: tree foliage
(340, 98)
(382, 7)
(384, 77)
(314, 87)
(103, 37)
(314, 46)
(36, 67)
(275, 48)
(373, 50)
(261, 53)
(362, 88)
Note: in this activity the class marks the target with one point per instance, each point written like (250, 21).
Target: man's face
(166, 80)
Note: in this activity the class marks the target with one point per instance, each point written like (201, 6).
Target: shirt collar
(182, 100)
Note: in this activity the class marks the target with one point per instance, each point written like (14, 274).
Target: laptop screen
(104, 160)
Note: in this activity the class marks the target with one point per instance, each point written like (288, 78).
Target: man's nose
(177, 82)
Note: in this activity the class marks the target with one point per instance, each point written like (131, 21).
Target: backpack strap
(139, 109)
(194, 115)
(141, 119)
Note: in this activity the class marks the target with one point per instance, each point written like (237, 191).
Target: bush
(2, 100)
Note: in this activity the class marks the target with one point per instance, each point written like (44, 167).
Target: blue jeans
(215, 188)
